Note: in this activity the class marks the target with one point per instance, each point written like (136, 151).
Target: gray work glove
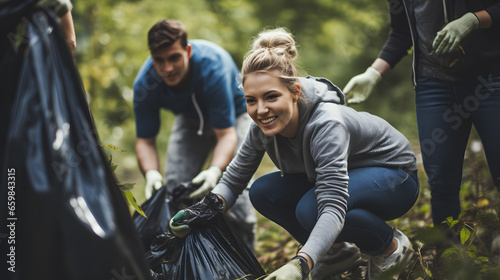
(360, 86)
(208, 179)
(154, 180)
(450, 36)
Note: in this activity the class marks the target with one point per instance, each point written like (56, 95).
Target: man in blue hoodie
(197, 81)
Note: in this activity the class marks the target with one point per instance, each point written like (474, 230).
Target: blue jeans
(445, 114)
(376, 195)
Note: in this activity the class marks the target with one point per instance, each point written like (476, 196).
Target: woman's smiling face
(271, 105)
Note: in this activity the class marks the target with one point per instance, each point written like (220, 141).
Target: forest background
(337, 40)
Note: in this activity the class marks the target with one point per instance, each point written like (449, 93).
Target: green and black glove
(200, 213)
(179, 229)
(296, 269)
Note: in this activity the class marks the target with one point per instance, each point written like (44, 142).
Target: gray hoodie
(331, 139)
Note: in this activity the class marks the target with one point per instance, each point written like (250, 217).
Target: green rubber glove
(179, 230)
(450, 36)
(360, 86)
(296, 269)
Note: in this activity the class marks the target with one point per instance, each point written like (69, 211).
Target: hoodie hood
(317, 90)
(314, 90)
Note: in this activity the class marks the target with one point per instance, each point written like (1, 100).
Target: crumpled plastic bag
(71, 221)
(212, 250)
(159, 209)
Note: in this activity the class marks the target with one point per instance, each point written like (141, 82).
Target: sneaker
(403, 254)
(330, 264)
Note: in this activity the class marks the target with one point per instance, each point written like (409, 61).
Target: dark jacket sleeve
(399, 41)
(494, 11)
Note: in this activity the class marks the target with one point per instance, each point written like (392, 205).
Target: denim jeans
(376, 195)
(445, 114)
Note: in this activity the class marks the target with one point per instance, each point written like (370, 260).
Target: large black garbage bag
(212, 250)
(159, 209)
(11, 55)
(69, 219)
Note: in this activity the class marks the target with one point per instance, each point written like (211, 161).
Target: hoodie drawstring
(200, 115)
(445, 12)
(278, 156)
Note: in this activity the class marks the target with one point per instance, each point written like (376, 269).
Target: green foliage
(126, 187)
(472, 255)
(337, 40)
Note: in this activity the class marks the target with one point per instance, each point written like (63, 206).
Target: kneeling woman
(342, 173)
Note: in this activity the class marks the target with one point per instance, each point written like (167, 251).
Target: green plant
(474, 229)
(125, 188)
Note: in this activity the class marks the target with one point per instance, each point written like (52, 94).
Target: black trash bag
(69, 218)
(202, 212)
(212, 250)
(159, 209)
(11, 56)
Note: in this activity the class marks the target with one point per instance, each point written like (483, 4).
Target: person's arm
(329, 148)
(449, 38)
(399, 41)
(360, 86)
(222, 155)
(330, 158)
(69, 31)
(396, 47)
(307, 258)
(224, 204)
(381, 66)
(241, 169)
(484, 19)
(224, 149)
(147, 157)
(493, 12)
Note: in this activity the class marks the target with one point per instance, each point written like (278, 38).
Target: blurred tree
(337, 40)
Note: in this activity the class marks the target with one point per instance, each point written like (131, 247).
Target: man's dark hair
(165, 33)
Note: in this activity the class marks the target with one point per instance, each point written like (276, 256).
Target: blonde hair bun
(278, 41)
(273, 50)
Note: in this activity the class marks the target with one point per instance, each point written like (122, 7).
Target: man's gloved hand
(199, 213)
(209, 178)
(360, 86)
(296, 269)
(450, 36)
(153, 180)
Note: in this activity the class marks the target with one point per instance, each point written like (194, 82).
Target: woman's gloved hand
(178, 229)
(296, 269)
(200, 213)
